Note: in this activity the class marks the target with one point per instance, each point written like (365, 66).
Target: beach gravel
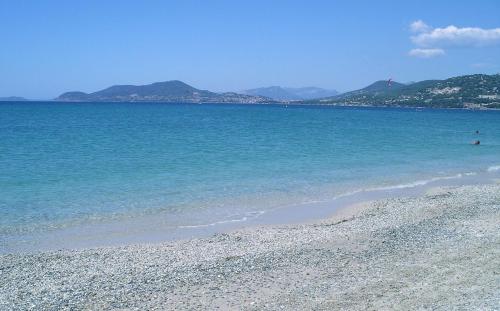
(438, 251)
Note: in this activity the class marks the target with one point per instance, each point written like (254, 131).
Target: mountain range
(169, 91)
(470, 91)
(291, 94)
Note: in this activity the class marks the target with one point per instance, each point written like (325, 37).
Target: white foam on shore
(415, 183)
(244, 218)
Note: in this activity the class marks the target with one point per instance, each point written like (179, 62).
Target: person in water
(476, 142)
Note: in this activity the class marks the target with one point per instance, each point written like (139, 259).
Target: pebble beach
(437, 251)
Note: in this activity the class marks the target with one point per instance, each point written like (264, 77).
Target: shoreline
(150, 229)
(438, 250)
(278, 104)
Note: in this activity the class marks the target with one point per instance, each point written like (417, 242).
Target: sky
(50, 47)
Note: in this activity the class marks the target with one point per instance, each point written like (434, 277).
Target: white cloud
(419, 26)
(454, 36)
(426, 53)
(430, 41)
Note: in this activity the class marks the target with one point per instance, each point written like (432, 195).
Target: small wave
(244, 218)
(414, 184)
(494, 168)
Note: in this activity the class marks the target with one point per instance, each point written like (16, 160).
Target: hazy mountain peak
(290, 93)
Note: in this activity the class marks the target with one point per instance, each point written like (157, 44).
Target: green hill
(471, 91)
(169, 91)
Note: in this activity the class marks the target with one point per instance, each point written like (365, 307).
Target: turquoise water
(68, 164)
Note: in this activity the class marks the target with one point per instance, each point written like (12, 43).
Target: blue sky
(49, 47)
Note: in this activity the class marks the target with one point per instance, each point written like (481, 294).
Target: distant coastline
(273, 103)
(13, 99)
(478, 91)
(473, 92)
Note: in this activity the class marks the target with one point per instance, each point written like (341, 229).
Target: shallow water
(65, 166)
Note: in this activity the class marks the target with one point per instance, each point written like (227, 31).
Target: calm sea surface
(67, 164)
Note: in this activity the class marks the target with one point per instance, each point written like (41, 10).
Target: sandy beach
(437, 251)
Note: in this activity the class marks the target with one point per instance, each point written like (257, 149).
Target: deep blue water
(66, 164)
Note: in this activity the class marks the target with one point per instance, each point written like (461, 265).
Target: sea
(75, 175)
